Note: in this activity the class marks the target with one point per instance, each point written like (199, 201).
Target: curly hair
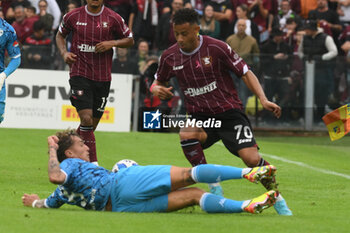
(185, 15)
(65, 140)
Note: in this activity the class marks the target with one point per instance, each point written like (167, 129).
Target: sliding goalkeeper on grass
(155, 188)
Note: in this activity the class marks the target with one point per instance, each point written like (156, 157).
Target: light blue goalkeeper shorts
(141, 189)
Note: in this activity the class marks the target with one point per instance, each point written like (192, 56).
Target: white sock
(213, 185)
(279, 198)
(245, 204)
(246, 171)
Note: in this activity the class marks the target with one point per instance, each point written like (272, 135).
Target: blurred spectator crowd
(275, 37)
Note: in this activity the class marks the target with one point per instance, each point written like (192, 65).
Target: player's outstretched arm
(160, 90)
(253, 84)
(56, 176)
(33, 200)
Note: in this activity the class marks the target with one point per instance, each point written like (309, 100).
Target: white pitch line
(301, 164)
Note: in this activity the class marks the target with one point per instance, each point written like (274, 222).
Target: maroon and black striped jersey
(88, 30)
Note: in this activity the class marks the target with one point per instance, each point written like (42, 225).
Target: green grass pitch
(320, 201)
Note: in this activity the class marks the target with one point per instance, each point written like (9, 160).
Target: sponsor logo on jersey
(105, 24)
(178, 67)
(15, 44)
(206, 61)
(201, 90)
(81, 24)
(86, 48)
(245, 140)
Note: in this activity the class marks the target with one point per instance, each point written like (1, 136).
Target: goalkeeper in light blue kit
(154, 188)
(8, 41)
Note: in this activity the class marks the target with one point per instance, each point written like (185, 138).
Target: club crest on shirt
(78, 92)
(1, 32)
(206, 61)
(105, 24)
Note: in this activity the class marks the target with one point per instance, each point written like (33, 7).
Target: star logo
(156, 115)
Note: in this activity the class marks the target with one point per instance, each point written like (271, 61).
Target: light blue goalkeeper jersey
(86, 185)
(8, 41)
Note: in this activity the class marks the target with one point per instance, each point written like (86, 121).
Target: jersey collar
(196, 50)
(92, 14)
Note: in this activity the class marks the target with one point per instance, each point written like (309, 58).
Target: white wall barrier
(40, 99)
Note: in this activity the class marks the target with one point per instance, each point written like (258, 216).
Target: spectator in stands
(326, 16)
(209, 26)
(306, 7)
(259, 12)
(344, 12)
(285, 12)
(247, 47)
(141, 56)
(222, 13)
(321, 48)
(71, 5)
(22, 26)
(45, 17)
(252, 28)
(197, 5)
(38, 53)
(143, 20)
(122, 7)
(30, 11)
(52, 9)
(164, 34)
(122, 63)
(244, 45)
(290, 31)
(276, 60)
(10, 14)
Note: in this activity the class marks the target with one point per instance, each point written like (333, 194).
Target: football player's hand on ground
(28, 199)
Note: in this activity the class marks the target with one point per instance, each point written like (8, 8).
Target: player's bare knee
(188, 134)
(197, 194)
(252, 161)
(86, 120)
(250, 156)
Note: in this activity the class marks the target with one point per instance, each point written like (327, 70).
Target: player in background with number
(8, 41)
(96, 30)
(202, 65)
